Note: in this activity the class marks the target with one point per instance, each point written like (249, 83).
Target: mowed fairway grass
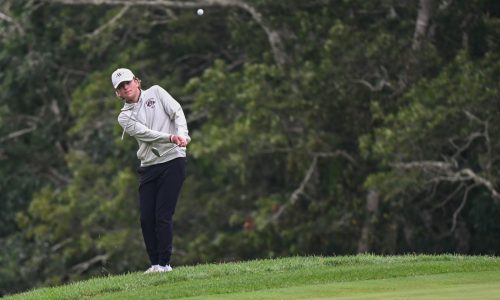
(342, 277)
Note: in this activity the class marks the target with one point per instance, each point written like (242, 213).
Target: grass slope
(347, 277)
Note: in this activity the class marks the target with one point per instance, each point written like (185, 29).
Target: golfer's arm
(141, 132)
(181, 124)
(174, 111)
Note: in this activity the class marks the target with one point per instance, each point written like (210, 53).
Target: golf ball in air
(199, 12)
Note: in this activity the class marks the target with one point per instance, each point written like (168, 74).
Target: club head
(155, 151)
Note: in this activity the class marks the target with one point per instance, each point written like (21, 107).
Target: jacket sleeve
(174, 111)
(139, 131)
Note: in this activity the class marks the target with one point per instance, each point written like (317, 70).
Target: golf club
(157, 153)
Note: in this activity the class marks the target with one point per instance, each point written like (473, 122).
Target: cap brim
(125, 78)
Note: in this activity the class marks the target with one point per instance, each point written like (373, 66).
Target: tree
(440, 155)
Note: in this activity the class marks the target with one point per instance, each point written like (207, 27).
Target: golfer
(156, 120)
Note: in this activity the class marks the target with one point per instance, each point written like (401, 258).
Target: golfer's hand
(178, 140)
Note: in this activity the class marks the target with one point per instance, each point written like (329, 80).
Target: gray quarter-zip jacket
(151, 121)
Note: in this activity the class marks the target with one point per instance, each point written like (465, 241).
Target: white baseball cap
(121, 75)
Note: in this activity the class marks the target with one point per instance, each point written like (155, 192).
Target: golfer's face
(128, 90)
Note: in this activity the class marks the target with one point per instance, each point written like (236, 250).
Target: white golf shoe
(158, 269)
(166, 268)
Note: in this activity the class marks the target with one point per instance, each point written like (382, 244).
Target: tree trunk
(365, 242)
(425, 11)
(409, 234)
(462, 237)
(391, 237)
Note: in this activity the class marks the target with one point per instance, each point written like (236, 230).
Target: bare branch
(60, 244)
(445, 4)
(343, 221)
(432, 194)
(425, 165)
(110, 23)
(58, 176)
(450, 196)
(274, 37)
(335, 154)
(484, 134)
(10, 20)
(473, 117)
(381, 80)
(300, 191)
(84, 266)
(481, 181)
(18, 133)
(470, 139)
(377, 88)
(461, 206)
(443, 171)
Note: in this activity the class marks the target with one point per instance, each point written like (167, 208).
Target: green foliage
(91, 217)
(448, 119)
(255, 103)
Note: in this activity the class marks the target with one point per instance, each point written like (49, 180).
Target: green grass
(347, 277)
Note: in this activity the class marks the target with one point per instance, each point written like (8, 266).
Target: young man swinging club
(157, 122)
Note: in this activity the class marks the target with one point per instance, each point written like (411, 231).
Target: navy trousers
(159, 189)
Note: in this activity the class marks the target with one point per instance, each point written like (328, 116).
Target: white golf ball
(199, 11)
